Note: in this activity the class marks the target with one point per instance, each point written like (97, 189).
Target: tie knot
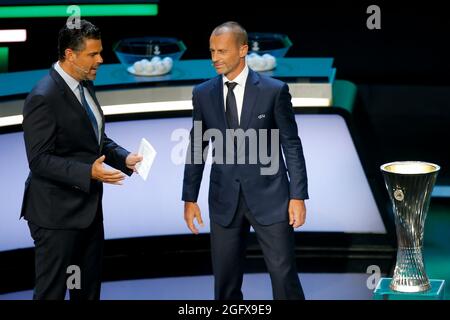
(82, 83)
(231, 85)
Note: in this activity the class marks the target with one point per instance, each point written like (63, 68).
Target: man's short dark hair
(74, 38)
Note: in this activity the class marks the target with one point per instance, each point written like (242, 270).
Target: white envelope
(148, 153)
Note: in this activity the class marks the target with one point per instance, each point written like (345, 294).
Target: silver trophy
(409, 184)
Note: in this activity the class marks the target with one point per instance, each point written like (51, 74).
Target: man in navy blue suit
(66, 144)
(256, 112)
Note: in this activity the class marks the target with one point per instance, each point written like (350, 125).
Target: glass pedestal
(383, 292)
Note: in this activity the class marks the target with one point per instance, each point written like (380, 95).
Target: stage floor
(317, 286)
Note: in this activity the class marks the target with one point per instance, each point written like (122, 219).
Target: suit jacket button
(237, 180)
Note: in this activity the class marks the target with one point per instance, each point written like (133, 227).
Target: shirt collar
(240, 79)
(71, 82)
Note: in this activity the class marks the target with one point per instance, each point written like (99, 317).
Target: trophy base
(383, 291)
(410, 288)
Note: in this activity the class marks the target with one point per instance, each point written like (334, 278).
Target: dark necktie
(88, 110)
(231, 106)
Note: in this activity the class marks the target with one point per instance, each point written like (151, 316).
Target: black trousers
(228, 245)
(56, 250)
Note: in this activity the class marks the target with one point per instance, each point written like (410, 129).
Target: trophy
(409, 184)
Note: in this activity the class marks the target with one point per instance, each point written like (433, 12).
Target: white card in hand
(148, 153)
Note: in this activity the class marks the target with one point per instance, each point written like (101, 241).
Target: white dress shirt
(73, 85)
(239, 90)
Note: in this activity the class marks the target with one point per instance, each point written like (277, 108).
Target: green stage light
(87, 10)
(4, 59)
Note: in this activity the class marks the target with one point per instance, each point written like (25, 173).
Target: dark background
(409, 48)
(402, 109)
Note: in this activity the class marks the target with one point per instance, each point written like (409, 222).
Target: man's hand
(192, 211)
(297, 212)
(131, 161)
(98, 172)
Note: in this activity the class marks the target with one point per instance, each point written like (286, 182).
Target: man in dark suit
(246, 192)
(66, 144)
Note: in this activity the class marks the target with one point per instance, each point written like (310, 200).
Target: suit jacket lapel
(217, 98)
(72, 99)
(90, 88)
(250, 98)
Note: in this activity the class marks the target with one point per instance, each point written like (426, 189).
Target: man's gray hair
(235, 28)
